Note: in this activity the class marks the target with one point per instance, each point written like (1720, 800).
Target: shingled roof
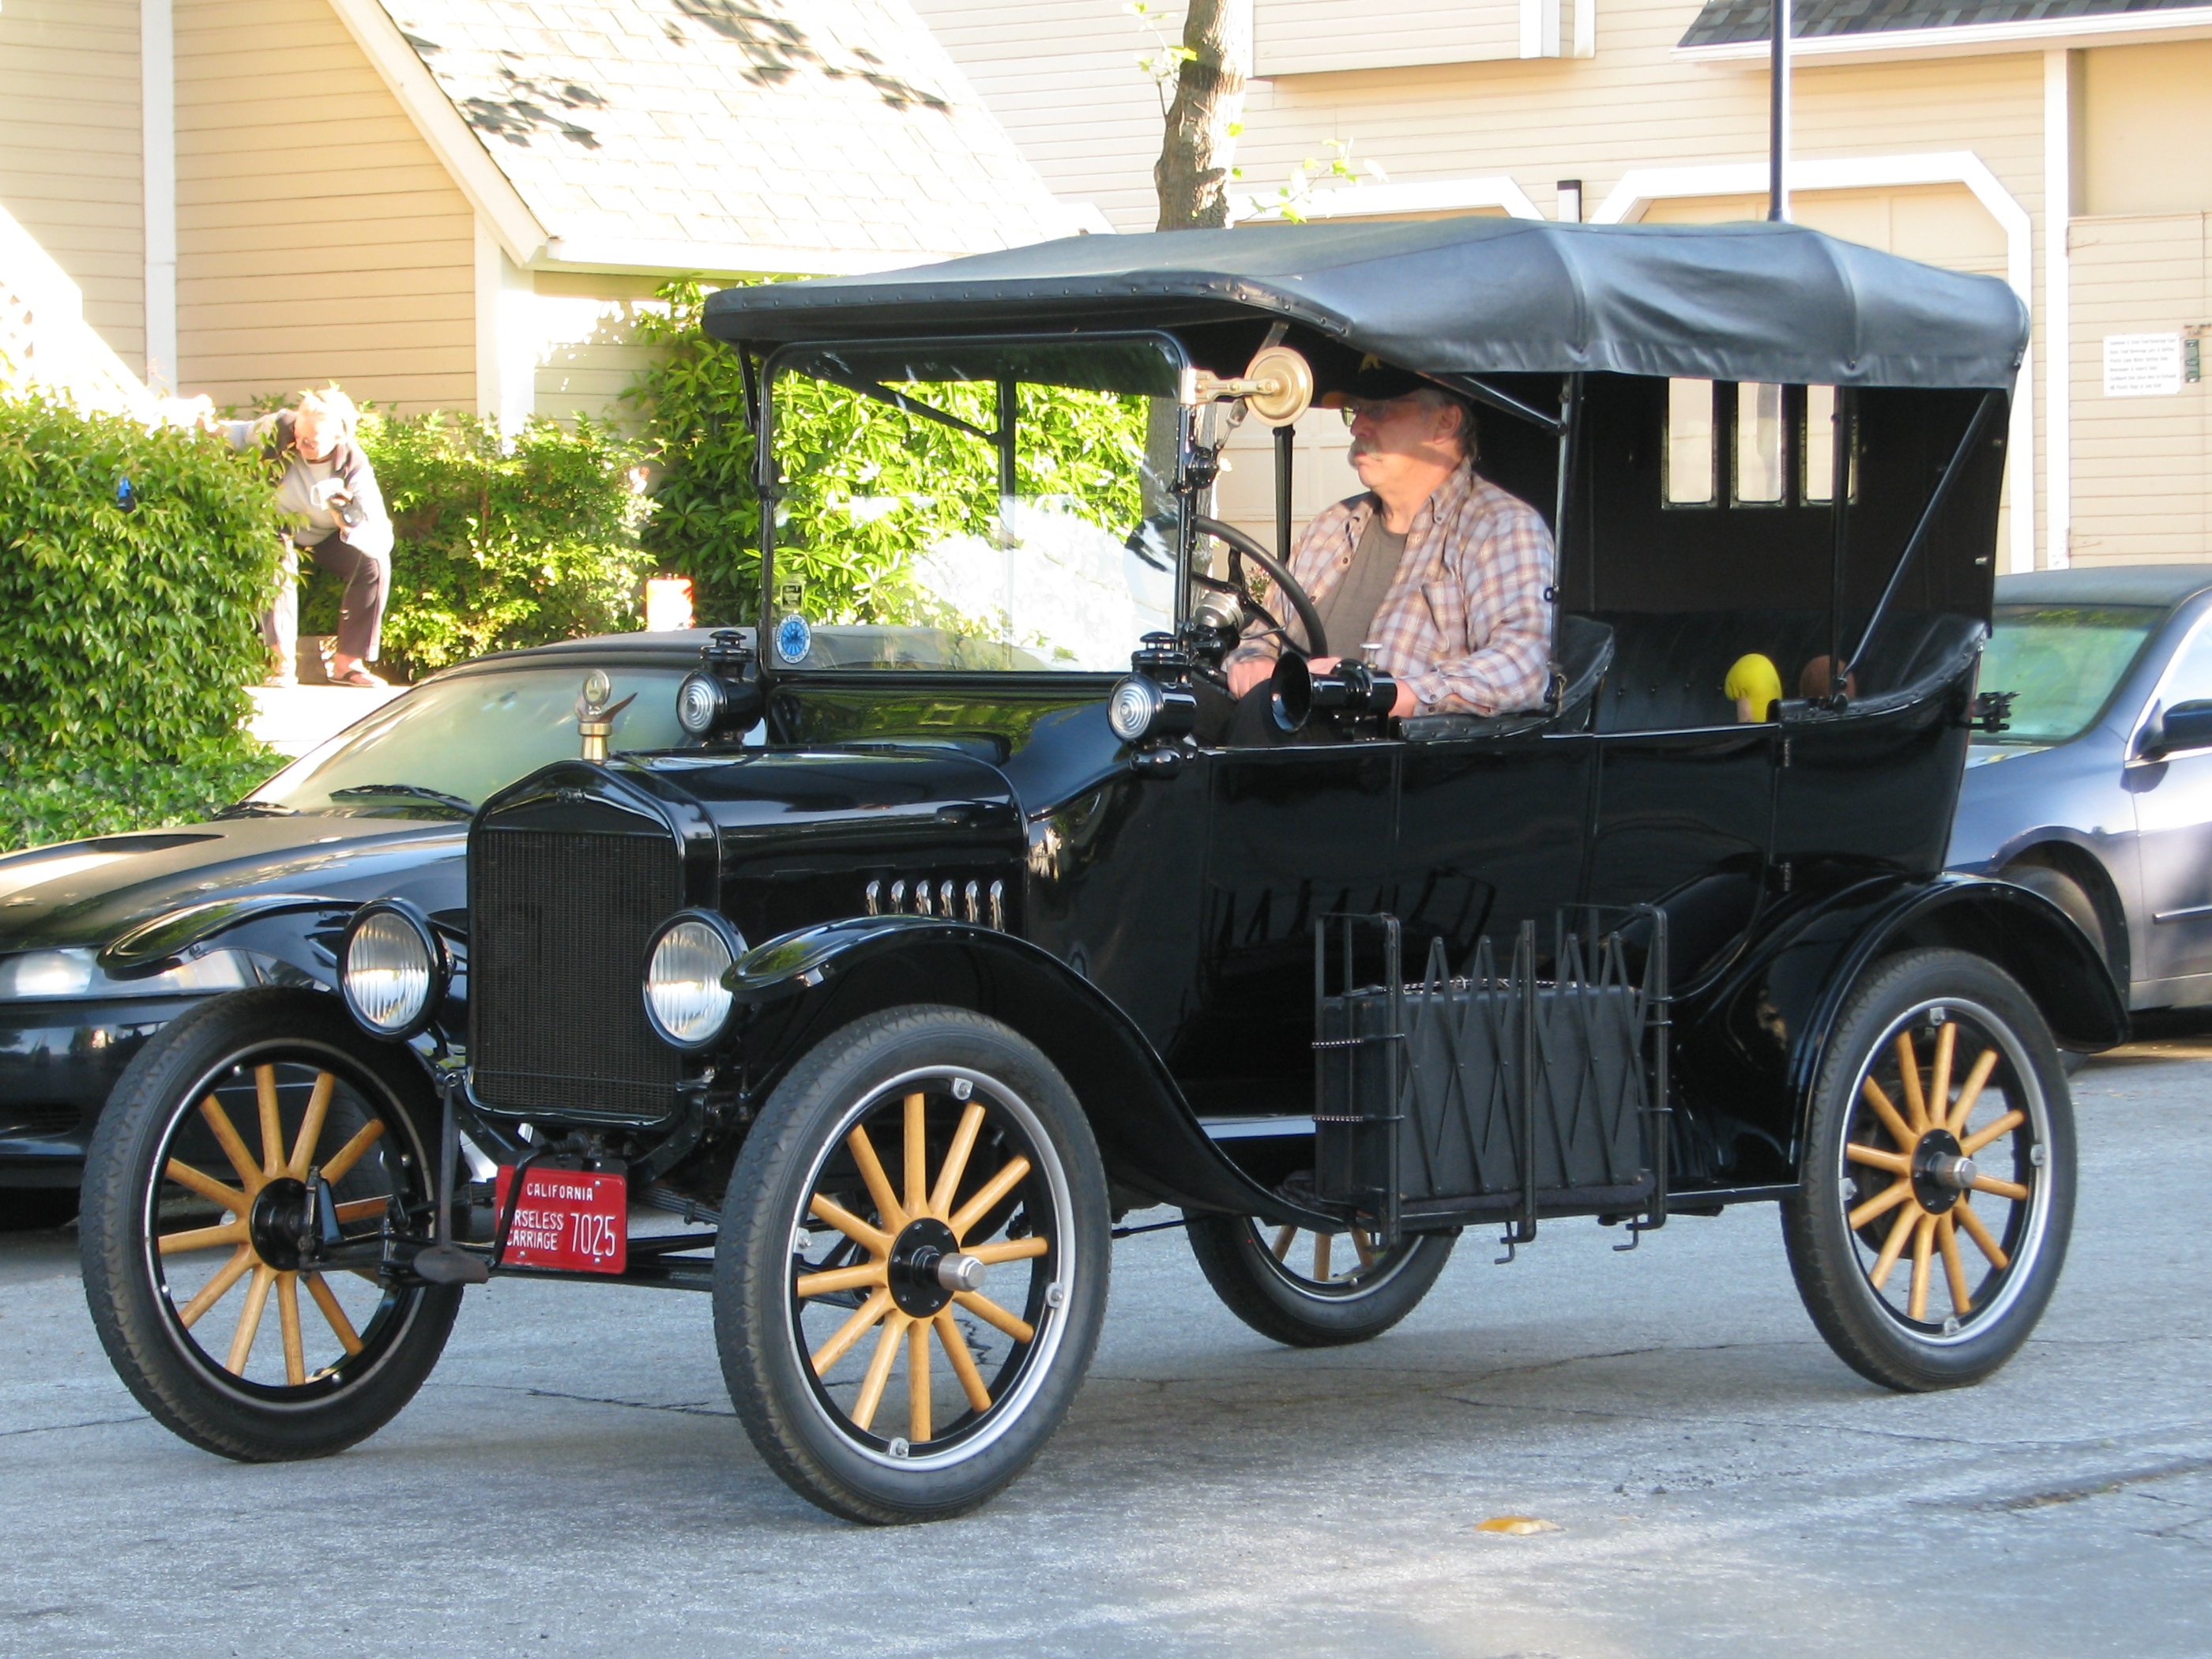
(1727, 22)
(822, 135)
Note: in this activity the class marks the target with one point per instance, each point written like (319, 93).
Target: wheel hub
(1941, 1171)
(278, 1223)
(927, 1267)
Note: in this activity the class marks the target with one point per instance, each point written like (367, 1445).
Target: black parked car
(383, 808)
(977, 948)
(2103, 801)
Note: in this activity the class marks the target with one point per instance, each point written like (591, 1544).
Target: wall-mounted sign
(2142, 365)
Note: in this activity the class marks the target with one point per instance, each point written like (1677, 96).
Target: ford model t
(961, 927)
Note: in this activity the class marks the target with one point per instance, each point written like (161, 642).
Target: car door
(1293, 835)
(2172, 790)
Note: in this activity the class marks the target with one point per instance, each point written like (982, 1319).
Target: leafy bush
(842, 451)
(131, 621)
(498, 546)
(36, 808)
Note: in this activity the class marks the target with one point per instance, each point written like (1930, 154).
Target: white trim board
(1968, 39)
(1641, 187)
(1493, 190)
(2058, 308)
(157, 126)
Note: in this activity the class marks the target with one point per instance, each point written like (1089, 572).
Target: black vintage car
(944, 943)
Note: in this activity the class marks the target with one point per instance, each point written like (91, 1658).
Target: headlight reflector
(699, 703)
(1133, 707)
(390, 969)
(685, 998)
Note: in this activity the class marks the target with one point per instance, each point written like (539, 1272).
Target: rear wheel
(195, 1201)
(1932, 1218)
(912, 1272)
(1310, 1289)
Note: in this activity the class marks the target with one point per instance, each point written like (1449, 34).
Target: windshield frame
(767, 486)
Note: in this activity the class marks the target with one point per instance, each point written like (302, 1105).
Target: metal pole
(1777, 136)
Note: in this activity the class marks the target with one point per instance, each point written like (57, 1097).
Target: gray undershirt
(1348, 612)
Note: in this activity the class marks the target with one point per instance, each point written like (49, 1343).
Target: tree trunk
(1192, 176)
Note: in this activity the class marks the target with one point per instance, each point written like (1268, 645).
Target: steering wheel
(1239, 544)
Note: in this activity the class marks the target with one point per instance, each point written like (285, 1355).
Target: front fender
(302, 930)
(798, 989)
(1758, 1040)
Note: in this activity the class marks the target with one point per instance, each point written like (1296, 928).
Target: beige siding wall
(70, 166)
(588, 350)
(1291, 36)
(2147, 117)
(2140, 465)
(318, 238)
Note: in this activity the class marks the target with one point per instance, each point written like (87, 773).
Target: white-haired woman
(328, 492)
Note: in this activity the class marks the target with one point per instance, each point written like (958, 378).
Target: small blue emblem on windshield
(794, 639)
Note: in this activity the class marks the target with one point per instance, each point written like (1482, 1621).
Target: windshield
(2063, 660)
(448, 745)
(970, 506)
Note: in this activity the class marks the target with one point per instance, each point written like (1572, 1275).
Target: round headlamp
(1134, 707)
(391, 970)
(1141, 706)
(699, 703)
(685, 1000)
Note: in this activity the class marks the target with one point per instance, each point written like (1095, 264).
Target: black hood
(84, 893)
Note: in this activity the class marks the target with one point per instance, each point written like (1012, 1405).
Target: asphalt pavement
(572, 1480)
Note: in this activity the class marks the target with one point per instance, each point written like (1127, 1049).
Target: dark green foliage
(838, 448)
(498, 548)
(37, 807)
(705, 521)
(131, 633)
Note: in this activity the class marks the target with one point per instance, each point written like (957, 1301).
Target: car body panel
(2134, 831)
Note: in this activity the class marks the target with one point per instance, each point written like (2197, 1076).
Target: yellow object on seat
(1756, 685)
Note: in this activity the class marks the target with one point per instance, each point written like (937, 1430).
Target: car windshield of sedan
(445, 746)
(971, 505)
(2063, 660)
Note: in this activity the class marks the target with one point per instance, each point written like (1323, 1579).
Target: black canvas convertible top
(1763, 303)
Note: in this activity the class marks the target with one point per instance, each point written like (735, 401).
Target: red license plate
(572, 1219)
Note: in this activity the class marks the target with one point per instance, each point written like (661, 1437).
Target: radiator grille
(558, 926)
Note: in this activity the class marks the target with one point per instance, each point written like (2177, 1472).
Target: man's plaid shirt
(1466, 622)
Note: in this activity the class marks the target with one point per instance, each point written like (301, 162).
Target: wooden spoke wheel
(913, 1265)
(1314, 1289)
(200, 1231)
(1938, 1182)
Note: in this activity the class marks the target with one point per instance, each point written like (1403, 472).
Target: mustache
(1360, 447)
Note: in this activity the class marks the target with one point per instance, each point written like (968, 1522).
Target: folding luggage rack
(1481, 1096)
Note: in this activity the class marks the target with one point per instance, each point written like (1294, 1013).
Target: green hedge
(132, 628)
(498, 545)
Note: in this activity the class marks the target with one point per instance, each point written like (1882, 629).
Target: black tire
(1257, 1279)
(972, 1077)
(319, 1390)
(2069, 896)
(37, 1209)
(1990, 1269)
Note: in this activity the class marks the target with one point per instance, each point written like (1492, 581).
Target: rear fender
(797, 989)
(1769, 1024)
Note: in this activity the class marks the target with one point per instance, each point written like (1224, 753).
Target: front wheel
(196, 1201)
(1932, 1218)
(912, 1272)
(1315, 1289)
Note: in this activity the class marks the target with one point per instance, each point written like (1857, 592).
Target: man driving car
(1434, 575)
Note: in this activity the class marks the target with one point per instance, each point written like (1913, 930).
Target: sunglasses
(1378, 408)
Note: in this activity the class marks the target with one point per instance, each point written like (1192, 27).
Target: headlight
(390, 969)
(53, 975)
(684, 997)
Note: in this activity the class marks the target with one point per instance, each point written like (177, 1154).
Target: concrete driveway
(572, 1480)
